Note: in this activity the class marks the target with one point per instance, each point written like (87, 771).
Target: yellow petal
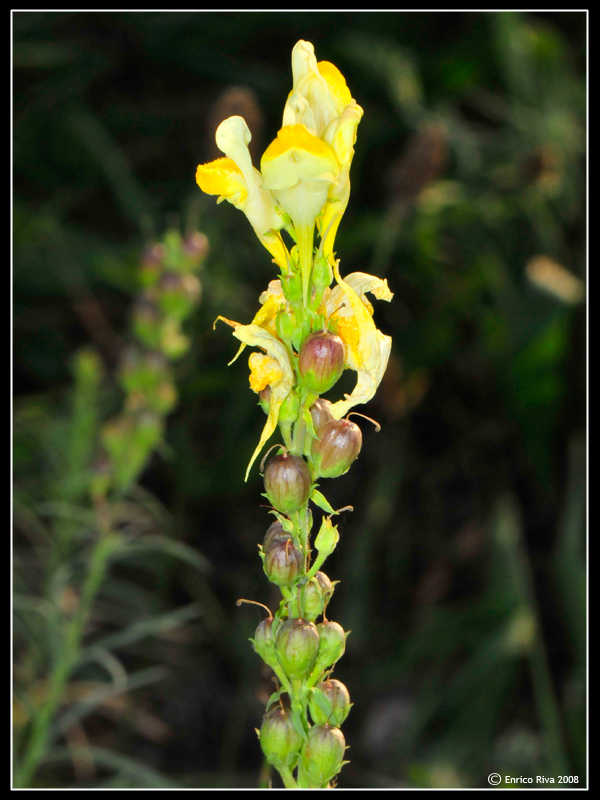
(223, 177)
(297, 155)
(336, 84)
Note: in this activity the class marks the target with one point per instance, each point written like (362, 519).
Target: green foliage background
(462, 568)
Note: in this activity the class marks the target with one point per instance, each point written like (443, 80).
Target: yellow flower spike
(367, 349)
(255, 336)
(236, 180)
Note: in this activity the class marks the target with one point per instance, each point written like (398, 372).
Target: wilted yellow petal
(368, 349)
(264, 371)
(255, 336)
(360, 283)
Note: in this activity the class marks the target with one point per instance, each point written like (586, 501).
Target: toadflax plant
(307, 333)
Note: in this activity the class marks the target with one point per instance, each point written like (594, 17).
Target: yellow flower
(274, 367)
(367, 349)
(321, 101)
(236, 180)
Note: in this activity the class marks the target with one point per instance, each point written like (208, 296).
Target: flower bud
(320, 413)
(332, 643)
(316, 593)
(323, 754)
(279, 740)
(327, 537)
(292, 287)
(195, 246)
(321, 361)
(287, 483)
(334, 705)
(274, 533)
(339, 445)
(297, 646)
(322, 274)
(289, 408)
(284, 325)
(284, 562)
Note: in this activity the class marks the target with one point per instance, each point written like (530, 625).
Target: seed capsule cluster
(301, 728)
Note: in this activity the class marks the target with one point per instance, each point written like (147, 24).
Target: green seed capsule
(279, 740)
(322, 754)
(334, 706)
(264, 642)
(297, 647)
(316, 593)
(332, 643)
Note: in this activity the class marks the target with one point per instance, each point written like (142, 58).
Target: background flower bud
(284, 562)
(333, 706)
(321, 361)
(279, 740)
(323, 754)
(297, 646)
(339, 445)
(287, 483)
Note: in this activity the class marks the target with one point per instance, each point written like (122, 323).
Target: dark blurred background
(462, 567)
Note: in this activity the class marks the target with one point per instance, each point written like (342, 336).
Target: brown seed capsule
(339, 445)
(320, 413)
(321, 361)
(274, 532)
(284, 562)
(287, 483)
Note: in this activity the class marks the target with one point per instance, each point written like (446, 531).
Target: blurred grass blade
(141, 773)
(145, 628)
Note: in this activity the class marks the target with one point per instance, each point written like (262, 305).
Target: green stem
(65, 663)
(287, 778)
(304, 236)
